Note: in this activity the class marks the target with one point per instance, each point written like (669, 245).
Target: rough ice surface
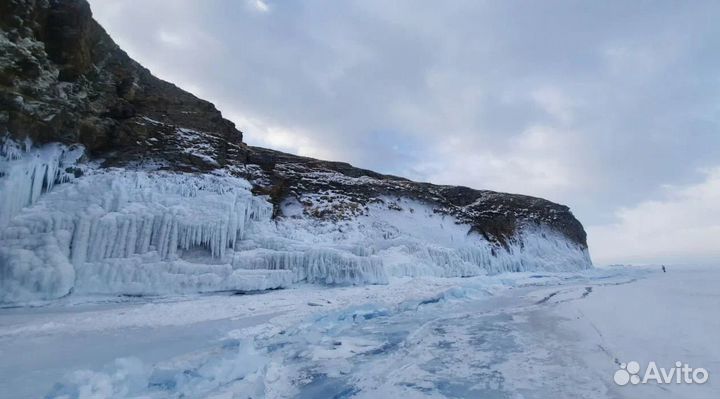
(509, 335)
(140, 232)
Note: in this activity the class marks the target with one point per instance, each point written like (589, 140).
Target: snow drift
(140, 232)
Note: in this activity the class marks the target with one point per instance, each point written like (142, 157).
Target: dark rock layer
(62, 78)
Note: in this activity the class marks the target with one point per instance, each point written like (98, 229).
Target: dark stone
(69, 71)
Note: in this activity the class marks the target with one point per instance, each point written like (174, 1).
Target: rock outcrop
(63, 79)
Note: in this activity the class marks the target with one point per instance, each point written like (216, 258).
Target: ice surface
(486, 336)
(130, 378)
(142, 232)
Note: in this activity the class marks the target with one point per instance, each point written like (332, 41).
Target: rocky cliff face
(63, 79)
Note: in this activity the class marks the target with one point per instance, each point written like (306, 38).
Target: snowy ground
(512, 335)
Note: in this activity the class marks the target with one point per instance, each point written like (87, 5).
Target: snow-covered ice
(530, 335)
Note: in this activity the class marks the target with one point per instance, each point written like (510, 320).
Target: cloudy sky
(610, 107)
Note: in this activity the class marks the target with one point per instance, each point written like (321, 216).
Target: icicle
(120, 231)
(26, 173)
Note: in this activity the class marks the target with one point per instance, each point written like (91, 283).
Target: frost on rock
(141, 232)
(404, 237)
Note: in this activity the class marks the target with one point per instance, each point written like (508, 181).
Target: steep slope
(114, 181)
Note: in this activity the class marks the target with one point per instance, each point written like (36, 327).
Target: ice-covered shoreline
(151, 232)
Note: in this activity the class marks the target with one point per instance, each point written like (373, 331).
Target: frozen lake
(520, 335)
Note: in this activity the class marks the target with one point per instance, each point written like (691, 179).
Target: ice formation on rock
(26, 173)
(125, 231)
(121, 231)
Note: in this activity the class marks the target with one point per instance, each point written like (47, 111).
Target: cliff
(64, 82)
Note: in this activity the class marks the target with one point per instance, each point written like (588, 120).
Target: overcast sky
(610, 107)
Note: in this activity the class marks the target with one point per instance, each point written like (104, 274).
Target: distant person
(663, 267)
